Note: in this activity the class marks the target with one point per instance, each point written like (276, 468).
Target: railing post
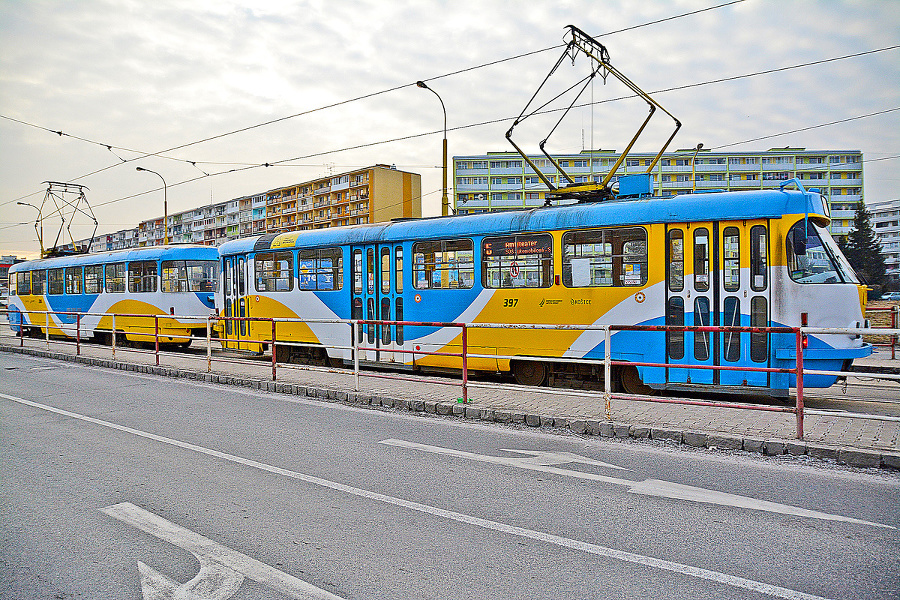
(355, 344)
(77, 334)
(22, 329)
(209, 344)
(894, 311)
(47, 323)
(607, 371)
(273, 350)
(465, 364)
(114, 336)
(799, 384)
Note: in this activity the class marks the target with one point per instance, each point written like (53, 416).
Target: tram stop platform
(861, 427)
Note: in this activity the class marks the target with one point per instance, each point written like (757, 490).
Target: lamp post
(445, 202)
(165, 206)
(37, 221)
(694, 168)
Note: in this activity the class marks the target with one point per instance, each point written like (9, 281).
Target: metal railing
(357, 346)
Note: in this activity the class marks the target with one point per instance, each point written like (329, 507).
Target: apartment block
(503, 181)
(370, 195)
(886, 224)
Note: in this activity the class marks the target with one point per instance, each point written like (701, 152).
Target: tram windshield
(821, 261)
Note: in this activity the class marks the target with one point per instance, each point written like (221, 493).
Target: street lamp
(445, 203)
(40, 233)
(694, 168)
(165, 206)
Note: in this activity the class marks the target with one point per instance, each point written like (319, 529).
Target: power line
(321, 108)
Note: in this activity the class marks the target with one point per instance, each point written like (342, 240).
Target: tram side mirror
(798, 241)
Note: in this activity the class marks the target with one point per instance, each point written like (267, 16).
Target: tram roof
(172, 252)
(716, 206)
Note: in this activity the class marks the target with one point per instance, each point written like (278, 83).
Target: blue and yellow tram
(135, 284)
(758, 259)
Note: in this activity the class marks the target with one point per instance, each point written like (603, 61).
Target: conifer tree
(863, 250)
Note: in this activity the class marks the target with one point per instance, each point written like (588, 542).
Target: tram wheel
(632, 383)
(528, 372)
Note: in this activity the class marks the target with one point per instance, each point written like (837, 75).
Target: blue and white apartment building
(503, 181)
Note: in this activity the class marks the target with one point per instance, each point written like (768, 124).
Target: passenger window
(74, 280)
(385, 272)
(142, 276)
(115, 278)
(701, 259)
(731, 247)
(56, 282)
(675, 317)
(758, 258)
(38, 282)
(732, 350)
(701, 319)
(676, 260)
(23, 283)
(370, 270)
(274, 271)
(93, 279)
(398, 259)
(759, 317)
(605, 257)
(517, 261)
(357, 273)
(443, 264)
(321, 269)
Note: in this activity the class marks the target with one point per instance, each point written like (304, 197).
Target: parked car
(893, 296)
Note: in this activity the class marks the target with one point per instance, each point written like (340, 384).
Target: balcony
(752, 167)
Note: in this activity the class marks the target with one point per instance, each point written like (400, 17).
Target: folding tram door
(717, 274)
(234, 289)
(377, 295)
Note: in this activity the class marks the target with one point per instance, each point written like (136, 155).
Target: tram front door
(717, 274)
(234, 271)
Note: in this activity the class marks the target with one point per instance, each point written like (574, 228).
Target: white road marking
(222, 570)
(650, 487)
(630, 557)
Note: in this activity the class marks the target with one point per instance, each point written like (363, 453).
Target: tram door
(378, 296)
(234, 270)
(691, 276)
(743, 291)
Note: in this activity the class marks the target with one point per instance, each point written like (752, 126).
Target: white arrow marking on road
(222, 570)
(649, 487)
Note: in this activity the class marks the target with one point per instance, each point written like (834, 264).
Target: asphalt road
(121, 485)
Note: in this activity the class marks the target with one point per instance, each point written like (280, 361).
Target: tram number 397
(510, 302)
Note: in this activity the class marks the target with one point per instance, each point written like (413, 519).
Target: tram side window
(56, 281)
(759, 317)
(189, 275)
(398, 259)
(517, 261)
(93, 279)
(605, 257)
(274, 271)
(385, 275)
(676, 260)
(701, 319)
(731, 241)
(701, 259)
(23, 283)
(142, 276)
(74, 280)
(38, 282)
(321, 269)
(675, 318)
(443, 264)
(115, 278)
(732, 339)
(758, 258)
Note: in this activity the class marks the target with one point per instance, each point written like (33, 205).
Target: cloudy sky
(322, 87)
